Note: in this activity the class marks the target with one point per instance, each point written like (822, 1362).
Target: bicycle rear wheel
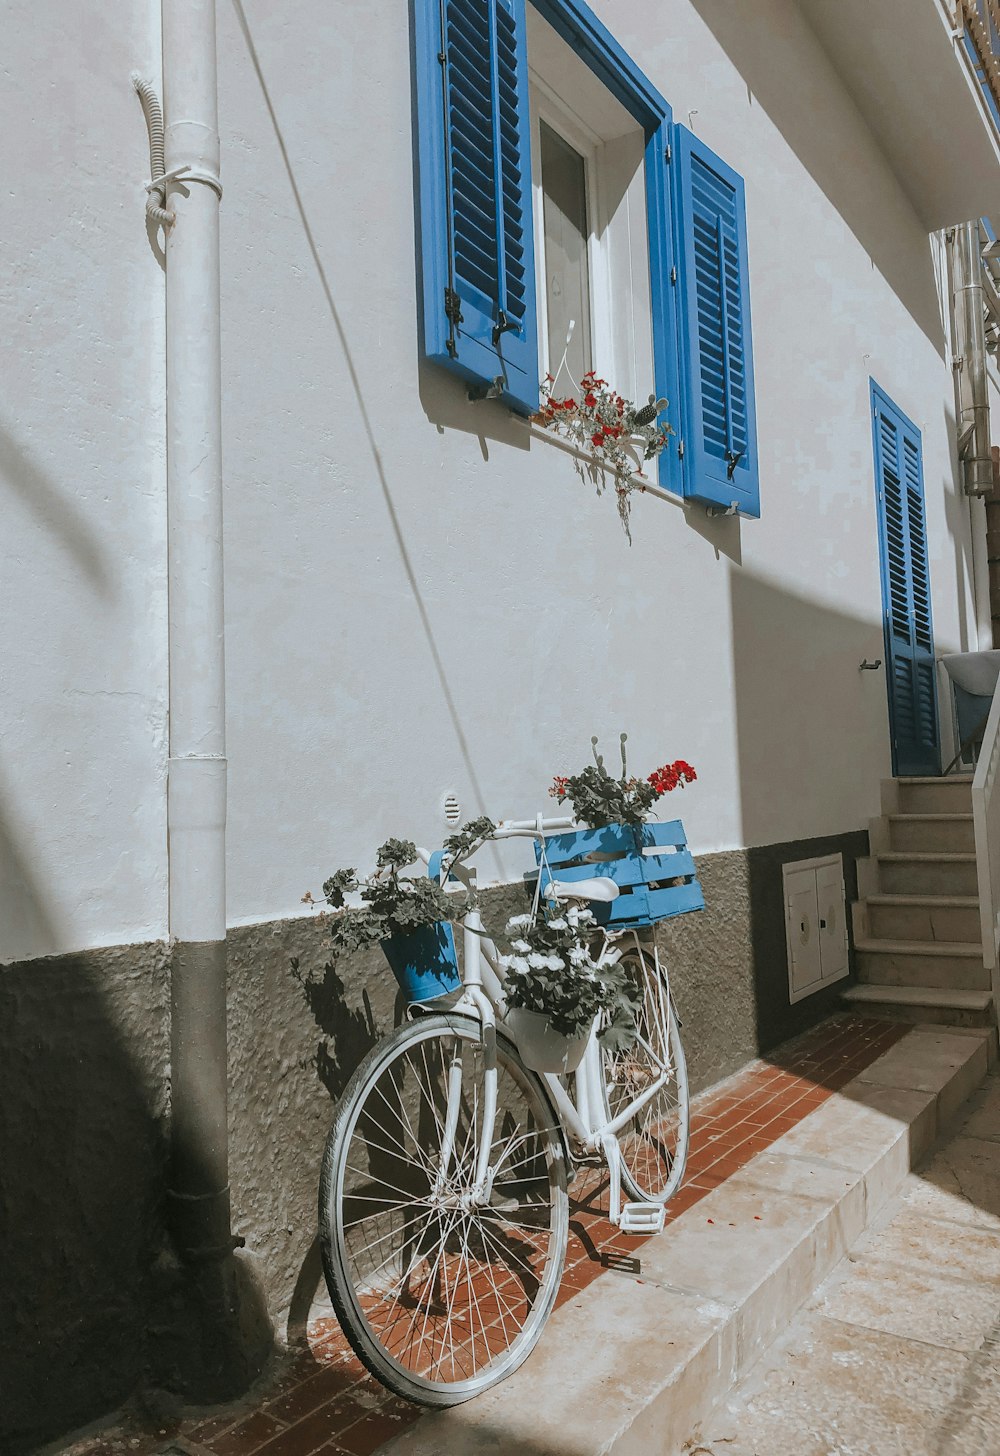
(654, 1143)
(439, 1298)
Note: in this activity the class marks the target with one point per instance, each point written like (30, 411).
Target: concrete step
(922, 1004)
(921, 963)
(952, 795)
(632, 1364)
(932, 832)
(912, 872)
(918, 917)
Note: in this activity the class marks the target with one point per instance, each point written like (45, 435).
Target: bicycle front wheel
(654, 1143)
(439, 1296)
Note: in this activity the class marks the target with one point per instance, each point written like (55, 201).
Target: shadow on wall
(807, 722)
(24, 901)
(96, 1307)
(55, 510)
(787, 71)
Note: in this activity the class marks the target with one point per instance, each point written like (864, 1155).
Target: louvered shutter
(475, 195)
(909, 636)
(720, 436)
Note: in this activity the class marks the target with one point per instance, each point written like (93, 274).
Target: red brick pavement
(324, 1402)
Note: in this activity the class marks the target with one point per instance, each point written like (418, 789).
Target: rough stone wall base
(95, 1307)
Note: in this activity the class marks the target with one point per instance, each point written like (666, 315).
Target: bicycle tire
(527, 1250)
(654, 1145)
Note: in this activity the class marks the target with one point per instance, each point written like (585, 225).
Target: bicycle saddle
(599, 888)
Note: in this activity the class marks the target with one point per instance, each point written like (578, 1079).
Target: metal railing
(986, 817)
(979, 22)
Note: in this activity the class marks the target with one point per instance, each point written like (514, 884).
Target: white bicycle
(443, 1205)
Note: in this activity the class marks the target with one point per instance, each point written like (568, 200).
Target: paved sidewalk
(323, 1403)
(898, 1354)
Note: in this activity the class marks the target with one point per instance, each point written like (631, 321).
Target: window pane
(567, 282)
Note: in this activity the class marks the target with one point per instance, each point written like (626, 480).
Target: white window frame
(621, 365)
(548, 107)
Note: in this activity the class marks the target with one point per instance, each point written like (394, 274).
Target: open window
(590, 216)
(555, 189)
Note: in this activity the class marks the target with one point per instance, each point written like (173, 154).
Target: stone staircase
(917, 938)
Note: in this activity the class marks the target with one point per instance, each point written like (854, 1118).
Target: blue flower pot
(424, 963)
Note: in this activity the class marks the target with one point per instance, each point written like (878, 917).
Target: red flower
(597, 439)
(559, 787)
(670, 775)
(590, 400)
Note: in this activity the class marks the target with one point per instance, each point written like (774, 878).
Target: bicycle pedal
(642, 1218)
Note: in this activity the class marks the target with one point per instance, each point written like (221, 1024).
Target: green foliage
(612, 430)
(395, 904)
(551, 968)
(391, 903)
(460, 845)
(599, 799)
(396, 854)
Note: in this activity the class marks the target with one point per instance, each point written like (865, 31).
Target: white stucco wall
(419, 601)
(419, 598)
(82, 550)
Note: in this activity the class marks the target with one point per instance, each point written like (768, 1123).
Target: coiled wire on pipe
(156, 197)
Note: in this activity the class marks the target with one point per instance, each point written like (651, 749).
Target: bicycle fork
(473, 998)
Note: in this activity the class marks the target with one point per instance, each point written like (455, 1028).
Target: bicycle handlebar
(508, 829)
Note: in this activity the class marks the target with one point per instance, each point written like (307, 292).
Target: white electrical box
(815, 924)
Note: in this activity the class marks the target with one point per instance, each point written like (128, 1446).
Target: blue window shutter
(906, 592)
(720, 434)
(475, 195)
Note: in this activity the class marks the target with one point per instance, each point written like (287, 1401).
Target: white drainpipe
(196, 790)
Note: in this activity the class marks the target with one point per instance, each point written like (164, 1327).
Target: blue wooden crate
(642, 860)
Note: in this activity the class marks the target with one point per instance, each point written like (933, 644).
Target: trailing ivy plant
(598, 798)
(466, 840)
(391, 903)
(551, 969)
(388, 903)
(613, 431)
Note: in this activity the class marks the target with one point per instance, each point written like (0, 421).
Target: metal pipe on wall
(215, 1333)
(196, 787)
(970, 319)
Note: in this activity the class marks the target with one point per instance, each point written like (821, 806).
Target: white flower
(555, 963)
(518, 922)
(521, 945)
(536, 960)
(577, 956)
(559, 924)
(517, 964)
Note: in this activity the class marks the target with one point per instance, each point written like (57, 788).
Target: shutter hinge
(680, 449)
(673, 275)
(667, 153)
(453, 313)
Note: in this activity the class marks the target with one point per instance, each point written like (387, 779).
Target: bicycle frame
(482, 996)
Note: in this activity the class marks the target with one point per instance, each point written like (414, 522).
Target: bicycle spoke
(441, 1292)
